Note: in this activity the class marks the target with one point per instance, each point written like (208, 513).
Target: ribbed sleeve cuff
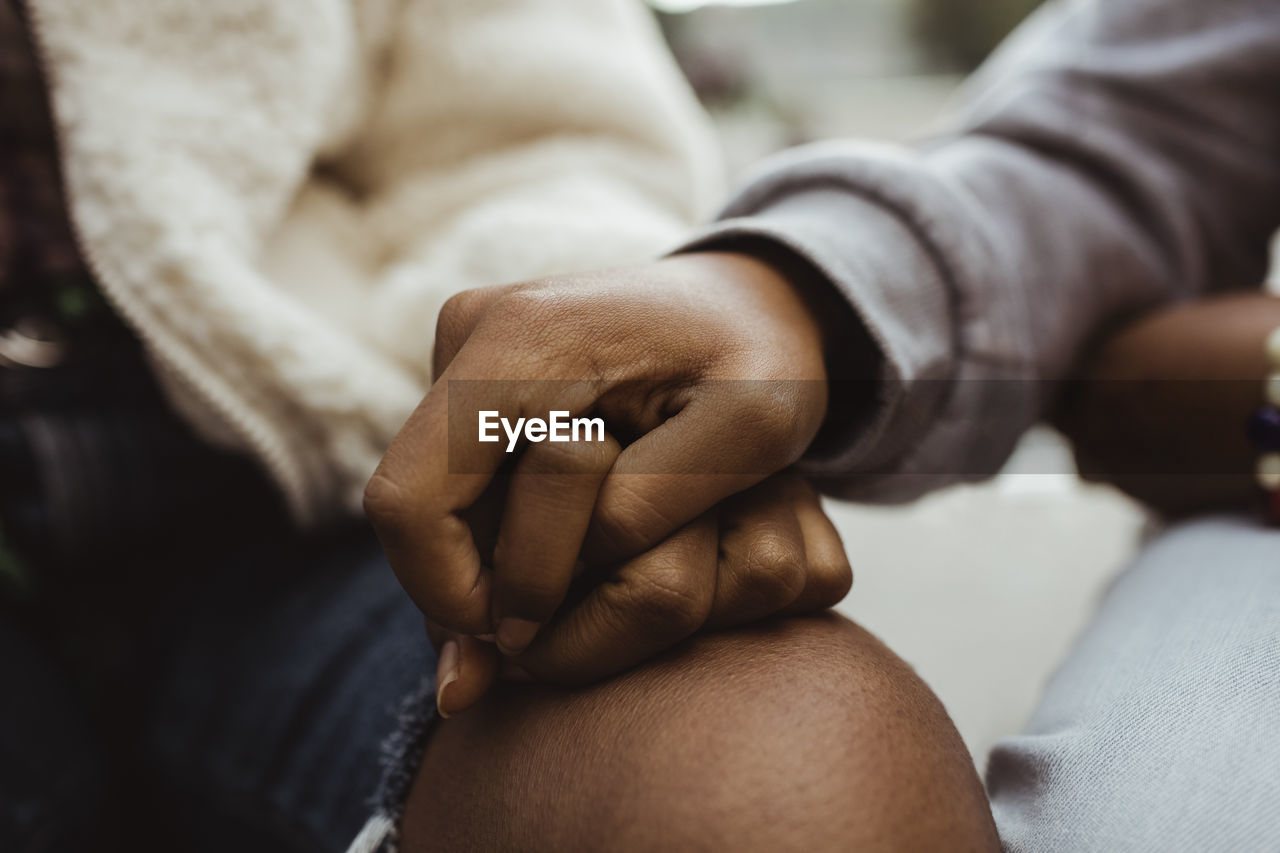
(892, 286)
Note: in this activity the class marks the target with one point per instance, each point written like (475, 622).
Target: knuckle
(457, 309)
(533, 323)
(773, 570)
(617, 526)
(831, 583)
(673, 604)
(385, 502)
(521, 305)
(452, 324)
(454, 315)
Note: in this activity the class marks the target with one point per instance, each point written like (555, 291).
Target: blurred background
(788, 71)
(981, 588)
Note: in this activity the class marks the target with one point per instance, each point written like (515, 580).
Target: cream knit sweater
(279, 196)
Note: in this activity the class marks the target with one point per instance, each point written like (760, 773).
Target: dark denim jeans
(236, 702)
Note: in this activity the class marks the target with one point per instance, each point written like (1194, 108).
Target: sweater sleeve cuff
(894, 289)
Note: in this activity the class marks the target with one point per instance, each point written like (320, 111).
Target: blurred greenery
(958, 34)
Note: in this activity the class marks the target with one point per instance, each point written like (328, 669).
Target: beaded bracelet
(1264, 431)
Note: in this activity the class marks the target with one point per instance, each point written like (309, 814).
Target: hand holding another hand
(768, 551)
(711, 368)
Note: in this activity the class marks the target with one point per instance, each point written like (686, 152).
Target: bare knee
(803, 734)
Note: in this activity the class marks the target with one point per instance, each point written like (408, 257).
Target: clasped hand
(574, 561)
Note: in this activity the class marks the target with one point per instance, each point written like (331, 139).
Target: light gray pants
(1161, 730)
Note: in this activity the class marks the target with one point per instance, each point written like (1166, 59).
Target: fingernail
(446, 673)
(514, 635)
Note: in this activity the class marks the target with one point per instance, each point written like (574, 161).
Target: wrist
(852, 363)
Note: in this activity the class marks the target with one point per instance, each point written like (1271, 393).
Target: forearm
(1115, 158)
(1160, 409)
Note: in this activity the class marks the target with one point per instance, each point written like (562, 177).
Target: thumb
(465, 669)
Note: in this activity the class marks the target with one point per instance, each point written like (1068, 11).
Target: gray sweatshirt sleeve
(1113, 156)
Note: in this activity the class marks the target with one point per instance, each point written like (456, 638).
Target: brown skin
(649, 349)
(1160, 407)
(790, 734)
(803, 734)
(770, 550)
(799, 734)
